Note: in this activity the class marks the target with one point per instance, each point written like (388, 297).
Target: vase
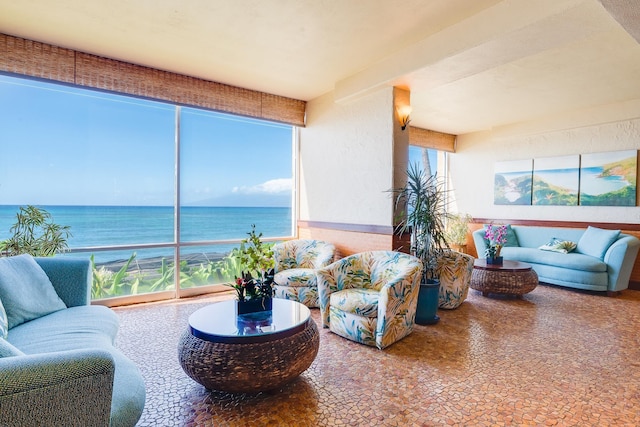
(255, 305)
(497, 260)
(254, 323)
(428, 298)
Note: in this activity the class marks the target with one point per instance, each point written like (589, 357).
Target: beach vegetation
(130, 279)
(35, 233)
(107, 283)
(546, 193)
(515, 191)
(625, 196)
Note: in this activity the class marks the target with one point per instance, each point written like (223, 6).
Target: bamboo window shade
(431, 139)
(30, 58)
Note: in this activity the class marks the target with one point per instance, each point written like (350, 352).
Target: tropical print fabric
(370, 297)
(297, 277)
(363, 302)
(303, 294)
(296, 262)
(454, 269)
(4, 323)
(353, 327)
(302, 254)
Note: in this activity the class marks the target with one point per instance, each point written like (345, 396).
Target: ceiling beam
(491, 38)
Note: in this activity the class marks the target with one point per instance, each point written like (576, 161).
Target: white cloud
(274, 186)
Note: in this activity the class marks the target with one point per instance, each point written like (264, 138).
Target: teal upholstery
(21, 280)
(71, 388)
(72, 280)
(596, 241)
(8, 350)
(605, 266)
(65, 369)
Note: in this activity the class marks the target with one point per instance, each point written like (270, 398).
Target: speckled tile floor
(555, 357)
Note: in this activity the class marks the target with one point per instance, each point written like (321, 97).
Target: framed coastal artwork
(608, 179)
(512, 182)
(556, 180)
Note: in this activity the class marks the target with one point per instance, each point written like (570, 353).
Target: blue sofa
(59, 366)
(601, 261)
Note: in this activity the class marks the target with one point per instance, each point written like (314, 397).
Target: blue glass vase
(255, 305)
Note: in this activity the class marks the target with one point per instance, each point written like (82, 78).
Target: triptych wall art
(597, 179)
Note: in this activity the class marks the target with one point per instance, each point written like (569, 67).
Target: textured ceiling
(470, 64)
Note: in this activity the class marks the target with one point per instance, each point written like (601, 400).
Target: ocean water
(93, 226)
(592, 182)
(565, 178)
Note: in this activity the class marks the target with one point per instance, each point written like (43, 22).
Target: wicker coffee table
(248, 353)
(511, 278)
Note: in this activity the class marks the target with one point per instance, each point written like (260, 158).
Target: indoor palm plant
(421, 205)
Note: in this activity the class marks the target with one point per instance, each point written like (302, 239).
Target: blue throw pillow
(8, 350)
(596, 241)
(4, 323)
(25, 290)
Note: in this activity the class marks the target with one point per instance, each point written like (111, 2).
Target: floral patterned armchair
(454, 269)
(370, 297)
(296, 262)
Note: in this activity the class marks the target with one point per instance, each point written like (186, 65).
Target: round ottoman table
(248, 353)
(511, 278)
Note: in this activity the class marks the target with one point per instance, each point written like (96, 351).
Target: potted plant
(421, 205)
(255, 286)
(457, 230)
(36, 234)
(496, 237)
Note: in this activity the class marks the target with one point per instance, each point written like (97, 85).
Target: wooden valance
(29, 58)
(431, 139)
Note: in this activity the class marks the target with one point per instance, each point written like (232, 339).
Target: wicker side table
(510, 278)
(248, 359)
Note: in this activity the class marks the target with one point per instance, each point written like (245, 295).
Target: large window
(140, 196)
(426, 158)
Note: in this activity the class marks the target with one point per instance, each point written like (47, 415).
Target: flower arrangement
(249, 288)
(256, 265)
(497, 237)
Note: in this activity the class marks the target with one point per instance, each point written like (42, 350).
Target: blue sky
(66, 146)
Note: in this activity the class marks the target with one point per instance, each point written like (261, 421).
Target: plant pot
(494, 260)
(428, 298)
(255, 305)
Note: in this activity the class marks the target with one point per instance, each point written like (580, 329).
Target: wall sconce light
(403, 116)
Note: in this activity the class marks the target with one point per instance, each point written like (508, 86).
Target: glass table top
(220, 322)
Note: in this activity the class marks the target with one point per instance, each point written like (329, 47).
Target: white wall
(611, 128)
(346, 160)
